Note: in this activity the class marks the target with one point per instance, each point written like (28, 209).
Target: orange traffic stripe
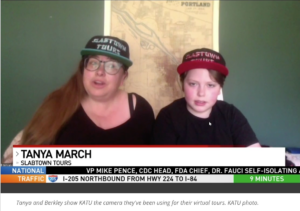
(23, 178)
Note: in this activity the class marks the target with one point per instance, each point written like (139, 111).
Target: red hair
(55, 111)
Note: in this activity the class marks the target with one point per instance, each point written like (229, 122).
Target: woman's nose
(101, 69)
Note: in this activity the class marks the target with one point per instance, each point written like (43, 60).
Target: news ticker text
(148, 170)
(146, 174)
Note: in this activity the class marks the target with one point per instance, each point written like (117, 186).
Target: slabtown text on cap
(203, 59)
(202, 53)
(110, 41)
(108, 48)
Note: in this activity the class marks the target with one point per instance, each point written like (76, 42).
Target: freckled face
(201, 92)
(101, 85)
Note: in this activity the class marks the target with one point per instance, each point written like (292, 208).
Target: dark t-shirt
(226, 125)
(81, 130)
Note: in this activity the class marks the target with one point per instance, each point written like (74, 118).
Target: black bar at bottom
(150, 188)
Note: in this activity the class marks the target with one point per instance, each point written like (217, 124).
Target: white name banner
(146, 156)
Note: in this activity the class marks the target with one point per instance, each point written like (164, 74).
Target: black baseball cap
(109, 46)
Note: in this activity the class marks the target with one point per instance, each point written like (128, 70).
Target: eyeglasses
(110, 67)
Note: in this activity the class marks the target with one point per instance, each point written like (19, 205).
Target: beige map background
(159, 33)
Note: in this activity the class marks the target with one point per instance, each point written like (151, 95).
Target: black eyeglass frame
(86, 60)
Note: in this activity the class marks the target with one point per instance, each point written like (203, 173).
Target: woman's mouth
(99, 84)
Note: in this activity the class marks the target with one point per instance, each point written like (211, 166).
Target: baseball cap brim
(118, 58)
(186, 66)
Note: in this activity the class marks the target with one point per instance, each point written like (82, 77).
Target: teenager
(199, 118)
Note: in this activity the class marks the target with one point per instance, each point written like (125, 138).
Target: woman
(200, 118)
(91, 108)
